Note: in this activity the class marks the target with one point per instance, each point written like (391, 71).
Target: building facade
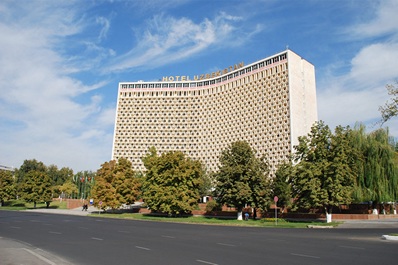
(269, 104)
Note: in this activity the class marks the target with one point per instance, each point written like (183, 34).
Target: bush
(213, 206)
(272, 220)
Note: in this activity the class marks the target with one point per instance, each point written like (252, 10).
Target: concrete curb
(387, 237)
(320, 226)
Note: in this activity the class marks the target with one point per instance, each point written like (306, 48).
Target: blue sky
(61, 61)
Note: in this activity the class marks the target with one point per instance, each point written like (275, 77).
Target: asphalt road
(67, 239)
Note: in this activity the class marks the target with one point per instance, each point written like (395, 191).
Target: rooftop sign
(202, 76)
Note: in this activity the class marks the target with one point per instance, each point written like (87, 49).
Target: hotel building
(268, 103)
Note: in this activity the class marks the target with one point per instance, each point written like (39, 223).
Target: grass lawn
(270, 222)
(17, 205)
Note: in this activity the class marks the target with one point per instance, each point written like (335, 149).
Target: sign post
(100, 203)
(276, 206)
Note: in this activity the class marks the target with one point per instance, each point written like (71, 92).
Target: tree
(7, 187)
(242, 179)
(68, 189)
(115, 184)
(37, 188)
(390, 108)
(326, 172)
(172, 181)
(281, 184)
(377, 179)
(25, 168)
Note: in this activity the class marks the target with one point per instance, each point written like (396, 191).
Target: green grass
(18, 205)
(216, 220)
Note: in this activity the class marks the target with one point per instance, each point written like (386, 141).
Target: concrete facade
(268, 103)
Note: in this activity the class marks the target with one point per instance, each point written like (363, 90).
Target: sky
(61, 62)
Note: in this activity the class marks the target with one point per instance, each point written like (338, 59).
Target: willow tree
(377, 179)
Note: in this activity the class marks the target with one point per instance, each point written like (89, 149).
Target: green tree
(378, 175)
(172, 181)
(242, 179)
(326, 171)
(115, 184)
(68, 189)
(281, 184)
(37, 187)
(390, 108)
(7, 187)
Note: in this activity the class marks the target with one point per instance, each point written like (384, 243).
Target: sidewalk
(76, 211)
(378, 223)
(16, 253)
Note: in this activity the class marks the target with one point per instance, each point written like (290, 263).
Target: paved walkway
(76, 211)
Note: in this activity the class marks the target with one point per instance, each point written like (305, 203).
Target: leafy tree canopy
(37, 187)
(326, 169)
(242, 178)
(281, 184)
(172, 182)
(7, 187)
(115, 184)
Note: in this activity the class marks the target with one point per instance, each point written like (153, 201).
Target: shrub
(212, 206)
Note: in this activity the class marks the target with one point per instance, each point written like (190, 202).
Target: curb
(387, 237)
(320, 226)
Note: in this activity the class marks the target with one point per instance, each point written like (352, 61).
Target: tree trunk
(254, 213)
(34, 205)
(328, 210)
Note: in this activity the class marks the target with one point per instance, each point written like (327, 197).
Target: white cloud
(385, 21)
(41, 105)
(168, 39)
(105, 23)
(359, 92)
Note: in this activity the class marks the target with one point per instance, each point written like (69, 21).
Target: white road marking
(96, 238)
(16, 227)
(168, 236)
(128, 232)
(351, 247)
(206, 262)
(142, 248)
(305, 256)
(40, 257)
(224, 244)
(52, 232)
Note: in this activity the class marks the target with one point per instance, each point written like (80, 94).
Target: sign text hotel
(202, 76)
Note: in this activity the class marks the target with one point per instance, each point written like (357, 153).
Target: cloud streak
(168, 40)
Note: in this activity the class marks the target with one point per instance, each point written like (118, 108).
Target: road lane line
(352, 247)
(168, 236)
(122, 231)
(224, 244)
(16, 227)
(142, 248)
(52, 232)
(305, 256)
(206, 262)
(96, 238)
